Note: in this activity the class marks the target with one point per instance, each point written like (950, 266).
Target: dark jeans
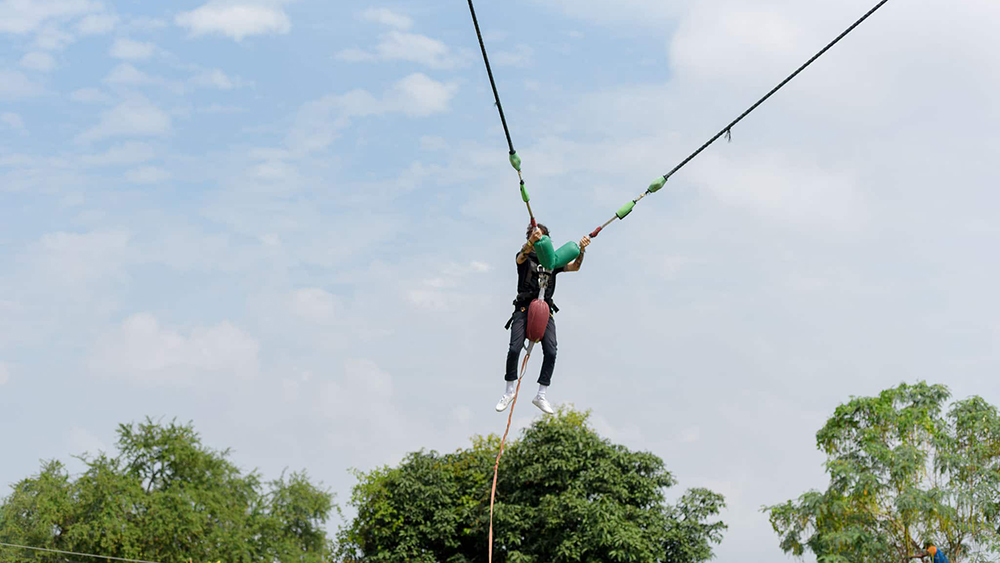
(517, 329)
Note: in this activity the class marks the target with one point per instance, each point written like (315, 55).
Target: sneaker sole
(542, 409)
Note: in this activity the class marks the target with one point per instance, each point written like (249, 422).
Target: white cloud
(89, 96)
(45, 176)
(142, 350)
(402, 46)
(355, 55)
(790, 190)
(12, 120)
(433, 143)
(521, 56)
(135, 117)
(52, 38)
(16, 86)
(220, 109)
(236, 19)
(130, 50)
(359, 103)
(419, 95)
(754, 41)
(652, 13)
(147, 175)
(131, 152)
(473, 267)
(36, 60)
(314, 304)
(429, 299)
(627, 433)
(214, 79)
(4, 373)
(79, 258)
(145, 24)
(318, 122)
(273, 170)
(97, 24)
(398, 45)
(386, 16)
(440, 291)
(125, 73)
(362, 379)
(25, 16)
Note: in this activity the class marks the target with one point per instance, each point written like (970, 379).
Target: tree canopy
(564, 494)
(904, 470)
(166, 497)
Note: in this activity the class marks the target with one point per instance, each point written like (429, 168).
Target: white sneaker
(504, 402)
(543, 404)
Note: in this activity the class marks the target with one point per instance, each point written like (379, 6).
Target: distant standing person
(931, 550)
(528, 288)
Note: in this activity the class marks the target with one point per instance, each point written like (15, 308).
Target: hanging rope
(496, 468)
(489, 71)
(106, 557)
(727, 130)
(515, 160)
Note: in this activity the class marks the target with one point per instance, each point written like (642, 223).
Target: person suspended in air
(529, 272)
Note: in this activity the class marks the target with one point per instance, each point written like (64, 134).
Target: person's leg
(549, 348)
(517, 328)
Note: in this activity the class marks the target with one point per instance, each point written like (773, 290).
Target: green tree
(564, 495)
(903, 470)
(166, 497)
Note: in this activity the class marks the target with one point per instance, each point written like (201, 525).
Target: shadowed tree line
(906, 468)
(564, 494)
(165, 497)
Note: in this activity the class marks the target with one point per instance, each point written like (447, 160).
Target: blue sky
(293, 223)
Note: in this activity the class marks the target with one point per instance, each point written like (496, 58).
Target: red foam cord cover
(596, 232)
(538, 320)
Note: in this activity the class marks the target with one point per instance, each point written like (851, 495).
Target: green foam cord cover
(625, 210)
(546, 252)
(515, 161)
(566, 254)
(657, 185)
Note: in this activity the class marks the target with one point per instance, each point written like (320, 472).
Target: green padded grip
(515, 161)
(524, 194)
(552, 259)
(566, 254)
(546, 252)
(657, 184)
(625, 210)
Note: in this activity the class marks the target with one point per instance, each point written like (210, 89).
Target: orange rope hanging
(510, 417)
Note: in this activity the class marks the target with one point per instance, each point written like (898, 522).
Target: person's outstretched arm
(574, 266)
